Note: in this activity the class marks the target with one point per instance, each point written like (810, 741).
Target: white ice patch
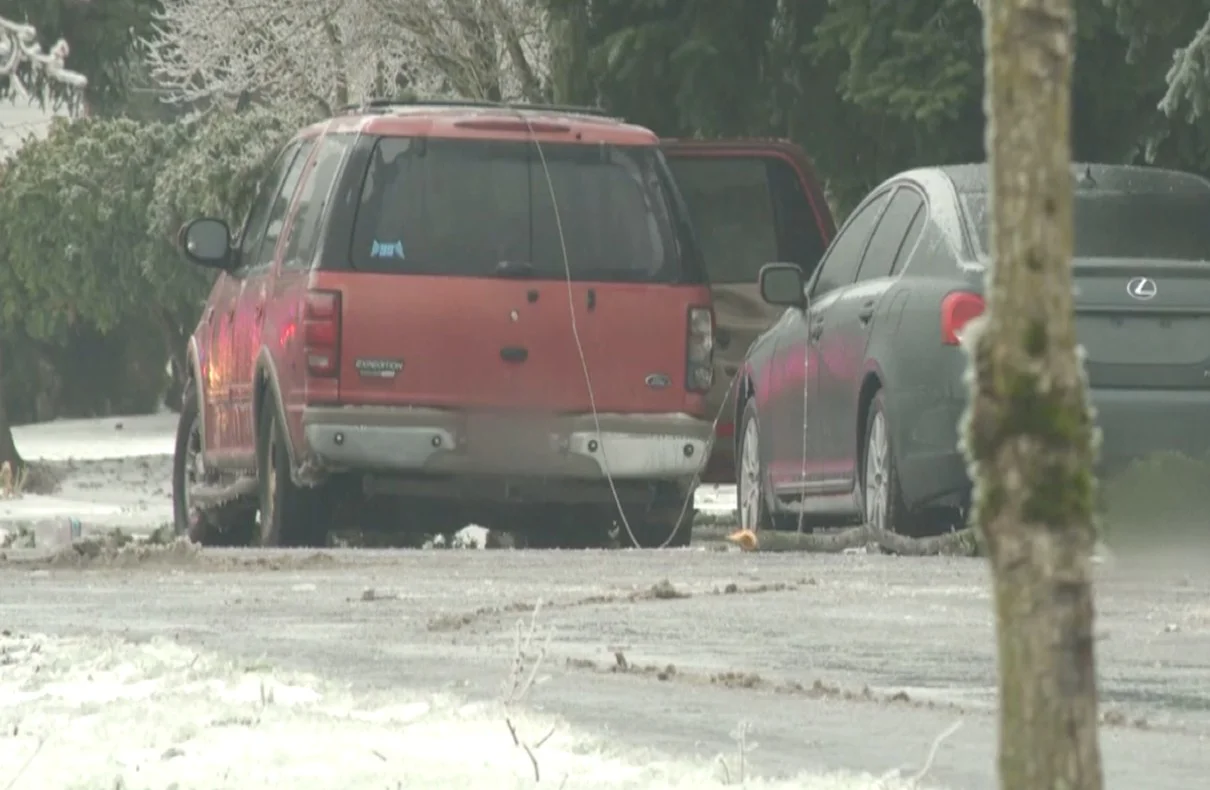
(94, 440)
(715, 499)
(123, 478)
(78, 713)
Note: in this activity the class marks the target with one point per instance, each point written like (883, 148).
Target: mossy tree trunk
(1029, 433)
(8, 448)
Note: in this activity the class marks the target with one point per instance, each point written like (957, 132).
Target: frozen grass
(103, 713)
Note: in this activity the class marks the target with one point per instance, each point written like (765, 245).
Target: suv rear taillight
(699, 354)
(958, 309)
(321, 333)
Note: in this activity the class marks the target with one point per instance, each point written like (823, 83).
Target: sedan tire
(751, 497)
(879, 491)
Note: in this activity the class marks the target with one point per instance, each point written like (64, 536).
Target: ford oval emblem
(658, 381)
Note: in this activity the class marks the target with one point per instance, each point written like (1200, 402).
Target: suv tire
(225, 525)
(290, 515)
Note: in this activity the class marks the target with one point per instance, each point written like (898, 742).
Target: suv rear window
(482, 208)
(1110, 224)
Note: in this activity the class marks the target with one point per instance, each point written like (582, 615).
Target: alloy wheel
(750, 479)
(876, 468)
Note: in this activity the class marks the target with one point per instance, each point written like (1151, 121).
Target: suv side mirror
(782, 284)
(207, 242)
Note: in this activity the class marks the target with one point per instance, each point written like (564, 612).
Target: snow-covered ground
(117, 473)
(93, 713)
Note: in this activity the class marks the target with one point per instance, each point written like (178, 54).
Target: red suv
(443, 313)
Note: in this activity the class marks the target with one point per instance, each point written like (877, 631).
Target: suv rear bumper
(440, 441)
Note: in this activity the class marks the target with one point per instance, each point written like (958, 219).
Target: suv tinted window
(258, 215)
(844, 256)
(888, 236)
(1122, 224)
(278, 209)
(477, 208)
(313, 199)
(747, 211)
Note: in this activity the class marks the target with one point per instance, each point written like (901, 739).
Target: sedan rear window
(482, 208)
(1109, 224)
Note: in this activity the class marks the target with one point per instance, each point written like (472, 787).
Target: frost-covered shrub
(91, 274)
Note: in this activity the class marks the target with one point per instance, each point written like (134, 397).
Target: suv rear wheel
(290, 515)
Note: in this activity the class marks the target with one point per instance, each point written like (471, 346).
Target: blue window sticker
(387, 249)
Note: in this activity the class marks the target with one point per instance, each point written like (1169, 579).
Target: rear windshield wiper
(518, 269)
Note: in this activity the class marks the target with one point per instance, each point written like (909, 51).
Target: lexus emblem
(1141, 288)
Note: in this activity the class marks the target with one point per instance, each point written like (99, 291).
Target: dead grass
(109, 549)
(38, 479)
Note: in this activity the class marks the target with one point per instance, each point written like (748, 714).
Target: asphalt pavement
(845, 662)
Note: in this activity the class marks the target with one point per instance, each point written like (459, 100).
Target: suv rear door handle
(514, 354)
(866, 312)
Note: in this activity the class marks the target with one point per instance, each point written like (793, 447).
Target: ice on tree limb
(19, 44)
(324, 54)
(1187, 77)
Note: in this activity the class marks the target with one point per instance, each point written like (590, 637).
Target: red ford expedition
(442, 313)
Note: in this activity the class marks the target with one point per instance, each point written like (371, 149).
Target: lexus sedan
(848, 408)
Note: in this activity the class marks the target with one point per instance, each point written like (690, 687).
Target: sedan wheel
(876, 473)
(750, 475)
(882, 499)
(749, 478)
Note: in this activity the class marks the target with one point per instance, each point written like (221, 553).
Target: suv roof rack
(384, 105)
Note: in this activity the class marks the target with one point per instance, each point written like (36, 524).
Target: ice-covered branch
(1189, 77)
(19, 45)
(326, 53)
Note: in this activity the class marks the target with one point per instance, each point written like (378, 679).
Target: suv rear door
(752, 202)
(456, 290)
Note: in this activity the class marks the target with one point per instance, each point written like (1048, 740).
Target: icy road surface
(852, 663)
(377, 670)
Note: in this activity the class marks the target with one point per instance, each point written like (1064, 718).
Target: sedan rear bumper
(639, 447)
(1134, 424)
(1138, 423)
